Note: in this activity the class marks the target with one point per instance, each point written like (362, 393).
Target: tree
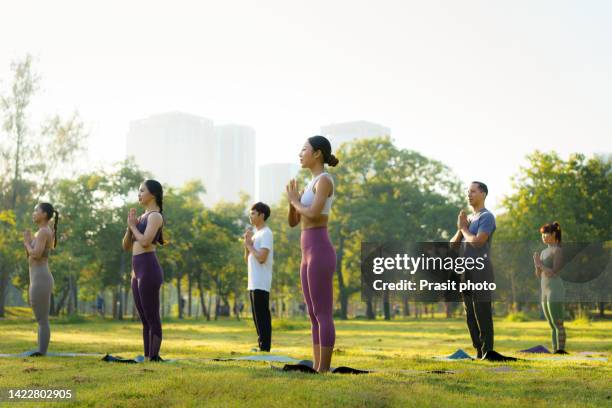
(230, 278)
(576, 192)
(181, 208)
(27, 157)
(286, 285)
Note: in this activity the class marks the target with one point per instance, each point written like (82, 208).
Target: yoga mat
(500, 369)
(307, 368)
(457, 355)
(261, 357)
(304, 366)
(118, 359)
(592, 353)
(462, 355)
(349, 370)
(568, 358)
(536, 349)
(27, 354)
(138, 359)
(296, 365)
(552, 357)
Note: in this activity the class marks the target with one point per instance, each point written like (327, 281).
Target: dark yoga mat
(138, 359)
(118, 359)
(305, 366)
(462, 355)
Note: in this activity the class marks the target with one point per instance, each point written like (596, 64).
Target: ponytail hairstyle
(156, 189)
(553, 227)
(51, 213)
(321, 143)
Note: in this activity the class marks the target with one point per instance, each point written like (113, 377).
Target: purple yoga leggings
(145, 288)
(317, 275)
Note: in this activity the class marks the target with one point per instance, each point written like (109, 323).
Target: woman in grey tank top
(41, 280)
(548, 264)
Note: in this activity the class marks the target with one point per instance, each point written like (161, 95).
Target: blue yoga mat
(457, 355)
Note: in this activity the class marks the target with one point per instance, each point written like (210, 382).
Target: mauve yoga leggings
(145, 288)
(317, 275)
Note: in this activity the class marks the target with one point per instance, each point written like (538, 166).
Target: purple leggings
(317, 275)
(145, 289)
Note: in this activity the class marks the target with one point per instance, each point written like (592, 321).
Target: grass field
(401, 350)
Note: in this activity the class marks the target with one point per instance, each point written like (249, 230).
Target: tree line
(384, 193)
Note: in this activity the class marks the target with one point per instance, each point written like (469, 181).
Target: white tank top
(308, 195)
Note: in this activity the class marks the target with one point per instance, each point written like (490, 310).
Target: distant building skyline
(234, 158)
(343, 132)
(178, 147)
(273, 177)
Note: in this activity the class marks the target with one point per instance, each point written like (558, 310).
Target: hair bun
(556, 225)
(333, 161)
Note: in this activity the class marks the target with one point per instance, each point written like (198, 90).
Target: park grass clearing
(402, 350)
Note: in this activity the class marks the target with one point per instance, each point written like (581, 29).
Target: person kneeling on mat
(259, 254)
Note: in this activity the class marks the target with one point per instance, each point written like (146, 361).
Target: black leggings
(479, 317)
(145, 289)
(260, 305)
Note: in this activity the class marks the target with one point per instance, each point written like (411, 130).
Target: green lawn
(401, 350)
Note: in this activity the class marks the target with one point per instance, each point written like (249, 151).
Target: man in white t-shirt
(258, 254)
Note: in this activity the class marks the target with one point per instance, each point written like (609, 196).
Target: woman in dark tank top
(142, 236)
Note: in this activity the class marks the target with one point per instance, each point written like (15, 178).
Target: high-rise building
(235, 162)
(173, 147)
(339, 133)
(177, 147)
(273, 179)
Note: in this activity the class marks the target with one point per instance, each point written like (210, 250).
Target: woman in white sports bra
(311, 208)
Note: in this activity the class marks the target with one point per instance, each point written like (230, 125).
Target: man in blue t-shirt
(475, 232)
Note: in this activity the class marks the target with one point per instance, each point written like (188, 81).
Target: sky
(475, 84)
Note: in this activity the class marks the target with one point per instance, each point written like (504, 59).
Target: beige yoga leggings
(41, 286)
